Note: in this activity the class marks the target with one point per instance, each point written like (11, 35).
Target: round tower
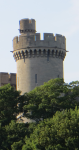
(37, 60)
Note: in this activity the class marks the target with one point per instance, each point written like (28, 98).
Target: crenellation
(25, 41)
(6, 78)
(63, 40)
(58, 38)
(37, 36)
(49, 36)
(15, 41)
(32, 39)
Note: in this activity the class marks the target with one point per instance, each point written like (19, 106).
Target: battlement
(6, 78)
(29, 43)
(27, 25)
(50, 41)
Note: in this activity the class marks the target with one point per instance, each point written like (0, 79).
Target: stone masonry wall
(44, 69)
(6, 78)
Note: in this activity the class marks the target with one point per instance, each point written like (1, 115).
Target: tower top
(27, 25)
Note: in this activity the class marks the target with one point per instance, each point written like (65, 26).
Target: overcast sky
(52, 16)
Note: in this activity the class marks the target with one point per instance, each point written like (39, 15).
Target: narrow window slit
(35, 78)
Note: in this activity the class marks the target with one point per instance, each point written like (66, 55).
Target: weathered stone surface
(37, 60)
(6, 78)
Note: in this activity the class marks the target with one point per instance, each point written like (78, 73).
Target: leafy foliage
(55, 95)
(15, 134)
(12, 135)
(57, 125)
(9, 100)
(58, 133)
(8, 104)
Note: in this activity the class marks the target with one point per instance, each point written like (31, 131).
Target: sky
(52, 16)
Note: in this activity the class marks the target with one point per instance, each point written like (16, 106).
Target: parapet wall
(25, 41)
(6, 78)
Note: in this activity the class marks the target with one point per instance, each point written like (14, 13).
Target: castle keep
(37, 60)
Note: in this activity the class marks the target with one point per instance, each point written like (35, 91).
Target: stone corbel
(33, 53)
(46, 52)
(41, 52)
(29, 53)
(50, 52)
(37, 52)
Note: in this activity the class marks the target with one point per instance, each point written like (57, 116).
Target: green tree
(3, 136)
(15, 134)
(26, 130)
(17, 145)
(12, 135)
(58, 133)
(55, 95)
(9, 100)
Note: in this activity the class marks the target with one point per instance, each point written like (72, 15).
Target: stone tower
(37, 60)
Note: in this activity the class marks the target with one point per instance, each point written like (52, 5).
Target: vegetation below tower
(55, 108)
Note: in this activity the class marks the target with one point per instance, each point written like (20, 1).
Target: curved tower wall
(37, 60)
